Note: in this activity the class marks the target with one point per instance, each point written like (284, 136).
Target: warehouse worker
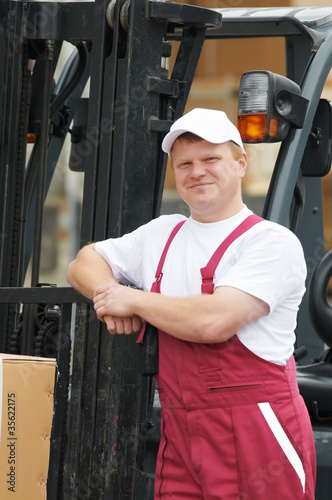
(223, 288)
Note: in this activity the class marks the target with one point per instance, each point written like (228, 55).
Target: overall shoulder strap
(159, 274)
(208, 271)
(156, 284)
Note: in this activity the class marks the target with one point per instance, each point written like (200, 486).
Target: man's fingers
(100, 316)
(127, 326)
(118, 326)
(137, 323)
(111, 324)
(122, 326)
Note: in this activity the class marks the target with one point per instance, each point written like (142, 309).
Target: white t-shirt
(267, 261)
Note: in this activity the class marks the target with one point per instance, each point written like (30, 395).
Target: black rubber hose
(59, 100)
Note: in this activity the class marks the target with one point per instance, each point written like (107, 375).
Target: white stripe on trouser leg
(283, 440)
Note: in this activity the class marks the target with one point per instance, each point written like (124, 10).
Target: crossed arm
(202, 318)
(90, 271)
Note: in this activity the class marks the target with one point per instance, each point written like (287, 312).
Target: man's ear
(243, 162)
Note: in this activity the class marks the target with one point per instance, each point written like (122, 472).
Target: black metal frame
(102, 405)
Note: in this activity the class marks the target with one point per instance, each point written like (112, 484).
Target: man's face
(208, 178)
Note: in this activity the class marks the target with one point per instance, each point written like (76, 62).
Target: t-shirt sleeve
(134, 257)
(123, 255)
(270, 265)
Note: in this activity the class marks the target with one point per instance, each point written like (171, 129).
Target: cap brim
(171, 137)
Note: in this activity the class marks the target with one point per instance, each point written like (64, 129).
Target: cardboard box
(26, 404)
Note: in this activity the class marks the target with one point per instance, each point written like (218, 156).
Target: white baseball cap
(209, 124)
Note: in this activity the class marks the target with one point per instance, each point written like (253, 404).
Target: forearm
(202, 318)
(192, 319)
(89, 271)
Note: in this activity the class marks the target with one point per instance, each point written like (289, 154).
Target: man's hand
(112, 304)
(118, 326)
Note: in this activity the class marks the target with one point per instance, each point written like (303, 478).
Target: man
(225, 291)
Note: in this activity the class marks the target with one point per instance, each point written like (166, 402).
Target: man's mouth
(200, 185)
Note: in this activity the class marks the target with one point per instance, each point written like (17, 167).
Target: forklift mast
(105, 423)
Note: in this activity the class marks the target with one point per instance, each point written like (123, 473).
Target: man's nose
(197, 169)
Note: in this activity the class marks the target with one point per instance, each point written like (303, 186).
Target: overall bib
(234, 426)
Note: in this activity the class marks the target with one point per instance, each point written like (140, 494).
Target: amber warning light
(252, 127)
(268, 104)
(31, 138)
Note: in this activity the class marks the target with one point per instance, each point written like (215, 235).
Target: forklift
(105, 427)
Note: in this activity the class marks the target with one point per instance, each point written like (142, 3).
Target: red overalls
(234, 426)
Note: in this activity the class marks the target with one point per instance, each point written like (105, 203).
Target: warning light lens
(31, 138)
(274, 127)
(252, 127)
(254, 93)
